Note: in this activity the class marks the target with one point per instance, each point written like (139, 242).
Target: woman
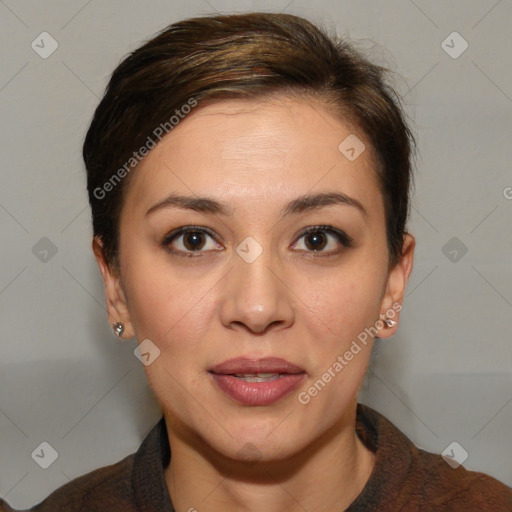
(249, 183)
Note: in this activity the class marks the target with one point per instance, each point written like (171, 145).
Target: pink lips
(257, 393)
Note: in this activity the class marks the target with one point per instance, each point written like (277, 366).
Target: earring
(118, 329)
(389, 322)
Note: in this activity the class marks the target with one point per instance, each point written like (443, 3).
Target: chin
(253, 441)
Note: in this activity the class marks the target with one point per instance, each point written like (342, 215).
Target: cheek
(163, 300)
(341, 312)
(175, 312)
(344, 301)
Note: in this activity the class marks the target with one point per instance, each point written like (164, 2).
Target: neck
(326, 476)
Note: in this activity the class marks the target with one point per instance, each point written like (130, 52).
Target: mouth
(257, 381)
(259, 377)
(264, 367)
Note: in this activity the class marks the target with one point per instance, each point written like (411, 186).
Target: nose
(257, 297)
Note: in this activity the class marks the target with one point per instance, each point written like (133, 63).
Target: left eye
(317, 238)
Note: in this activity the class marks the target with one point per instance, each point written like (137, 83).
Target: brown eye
(317, 238)
(193, 240)
(190, 239)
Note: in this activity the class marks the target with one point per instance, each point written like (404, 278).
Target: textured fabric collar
(148, 479)
(393, 460)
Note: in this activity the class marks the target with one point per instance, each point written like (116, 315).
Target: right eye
(188, 240)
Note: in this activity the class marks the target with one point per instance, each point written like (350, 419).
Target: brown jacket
(404, 479)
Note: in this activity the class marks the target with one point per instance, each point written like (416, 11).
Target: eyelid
(187, 229)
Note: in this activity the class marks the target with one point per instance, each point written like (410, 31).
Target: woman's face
(247, 282)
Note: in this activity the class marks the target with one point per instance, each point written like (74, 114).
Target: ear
(398, 277)
(116, 301)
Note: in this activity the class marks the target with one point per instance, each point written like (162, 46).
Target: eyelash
(341, 236)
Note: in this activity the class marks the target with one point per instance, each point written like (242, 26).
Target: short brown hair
(250, 55)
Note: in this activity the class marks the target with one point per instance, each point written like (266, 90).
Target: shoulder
(457, 489)
(106, 488)
(407, 478)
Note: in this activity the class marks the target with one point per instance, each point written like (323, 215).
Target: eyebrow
(209, 205)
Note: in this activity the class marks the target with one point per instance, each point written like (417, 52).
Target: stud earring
(389, 322)
(118, 329)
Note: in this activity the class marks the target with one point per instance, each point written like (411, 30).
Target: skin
(291, 302)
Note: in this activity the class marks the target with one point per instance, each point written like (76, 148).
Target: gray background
(64, 379)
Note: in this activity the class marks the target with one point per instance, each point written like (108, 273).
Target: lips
(244, 366)
(257, 381)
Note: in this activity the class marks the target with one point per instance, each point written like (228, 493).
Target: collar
(148, 480)
(393, 460)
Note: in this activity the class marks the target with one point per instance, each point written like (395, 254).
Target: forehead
(249, 151)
